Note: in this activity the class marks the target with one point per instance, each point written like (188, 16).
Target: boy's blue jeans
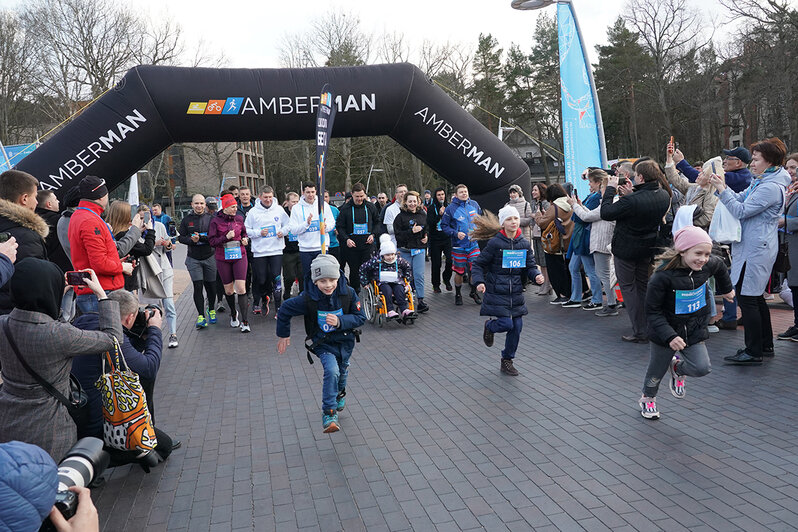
(336, 369)
(512, 326)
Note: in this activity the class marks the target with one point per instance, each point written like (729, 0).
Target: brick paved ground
(435, 438)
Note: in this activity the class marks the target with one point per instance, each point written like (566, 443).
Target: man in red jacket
(92, 244)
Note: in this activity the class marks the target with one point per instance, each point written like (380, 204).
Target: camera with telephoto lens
(139, 327)
(84, 462)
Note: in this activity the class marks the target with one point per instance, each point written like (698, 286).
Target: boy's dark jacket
(504, 293)
(663, 323)
(353, 317)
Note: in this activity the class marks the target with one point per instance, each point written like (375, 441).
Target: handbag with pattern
(127, 424)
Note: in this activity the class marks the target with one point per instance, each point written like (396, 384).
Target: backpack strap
(312, 323)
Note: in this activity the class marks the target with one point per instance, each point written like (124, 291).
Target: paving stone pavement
(435, 438)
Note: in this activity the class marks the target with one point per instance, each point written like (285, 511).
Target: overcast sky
(250, 32)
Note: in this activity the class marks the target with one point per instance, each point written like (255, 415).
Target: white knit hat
(386, 245)
(506, 212)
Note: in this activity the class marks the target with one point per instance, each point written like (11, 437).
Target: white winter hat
(386, 245)
(507, 211)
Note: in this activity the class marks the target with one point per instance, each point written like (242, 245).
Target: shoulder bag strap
(43, 383)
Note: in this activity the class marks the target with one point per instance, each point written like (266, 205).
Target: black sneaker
(458, 299)
(421, 307)
(592, 306)
(436, 289)
(572, 304)
(487, 335)
(789, 334)
(448, 286)
(559, 301)
(475, 296)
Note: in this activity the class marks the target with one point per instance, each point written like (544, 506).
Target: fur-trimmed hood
(17, 215)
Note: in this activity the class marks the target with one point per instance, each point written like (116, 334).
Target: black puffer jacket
(504, 292)
(663, 323)
(403, 229)
(638, 217)
(30, 231)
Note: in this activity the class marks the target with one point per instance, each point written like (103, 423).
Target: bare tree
(15, 65)
(667, 29)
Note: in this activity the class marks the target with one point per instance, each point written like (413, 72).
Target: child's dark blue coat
(504, 293)
(342, 338)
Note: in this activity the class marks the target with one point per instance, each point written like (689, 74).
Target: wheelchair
(376, 310)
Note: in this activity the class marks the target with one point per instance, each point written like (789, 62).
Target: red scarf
(516, 235)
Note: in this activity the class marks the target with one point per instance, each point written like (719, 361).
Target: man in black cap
(92, 245)
(735, 165)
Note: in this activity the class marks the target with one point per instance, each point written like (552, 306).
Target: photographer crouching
(142, 348)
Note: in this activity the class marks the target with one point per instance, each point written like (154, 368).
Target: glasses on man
(730, 159)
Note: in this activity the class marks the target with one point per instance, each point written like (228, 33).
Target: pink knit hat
(690, 236)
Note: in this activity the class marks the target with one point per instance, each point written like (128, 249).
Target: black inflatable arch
(153, 107)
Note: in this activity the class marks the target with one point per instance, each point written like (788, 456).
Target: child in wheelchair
(390, 272)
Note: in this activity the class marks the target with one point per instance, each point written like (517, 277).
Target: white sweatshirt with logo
(276, 220)
(308, 234)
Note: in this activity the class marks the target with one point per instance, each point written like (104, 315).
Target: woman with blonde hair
(119, 218)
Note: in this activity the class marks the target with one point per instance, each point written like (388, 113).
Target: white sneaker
(712, 328)
(172, 340)
(234, 322)
(676, 381)
(245, 327)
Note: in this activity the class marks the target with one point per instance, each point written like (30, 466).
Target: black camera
(139, 326)
(84, 462)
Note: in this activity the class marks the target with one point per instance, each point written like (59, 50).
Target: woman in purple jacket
(229, 236)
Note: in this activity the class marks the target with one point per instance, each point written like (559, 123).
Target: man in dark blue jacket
(458, 222)
(735, 166)
(142, 352)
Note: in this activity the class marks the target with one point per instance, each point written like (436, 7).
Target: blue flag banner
(324, 124)
(15, 154)
(583, 137)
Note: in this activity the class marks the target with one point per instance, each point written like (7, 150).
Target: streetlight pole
(372, 169)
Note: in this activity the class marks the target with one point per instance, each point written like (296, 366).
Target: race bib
(514, 258)
(314, 226)
(361, 229)
(414, 252)
(322, 319)
(389, 277)
(232, 253)
(271, 230)
(292, 237)
(689, 301)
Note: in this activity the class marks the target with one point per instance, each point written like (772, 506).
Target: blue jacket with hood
(338, 341)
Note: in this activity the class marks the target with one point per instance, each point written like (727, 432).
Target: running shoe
(212, 316)
(608, 310)
(330, 422)
(340, 400)
(256, 309)
(572, 304)
(712, 328)
(245, 327)
(266, 301)
(278, 301)
(559, 301)
(648, 407)
(234, 322)
(458, 299)
(476, 297)
(676, 381)
(172, 341)
(789, 334)
(593, 306)
(201, 322)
